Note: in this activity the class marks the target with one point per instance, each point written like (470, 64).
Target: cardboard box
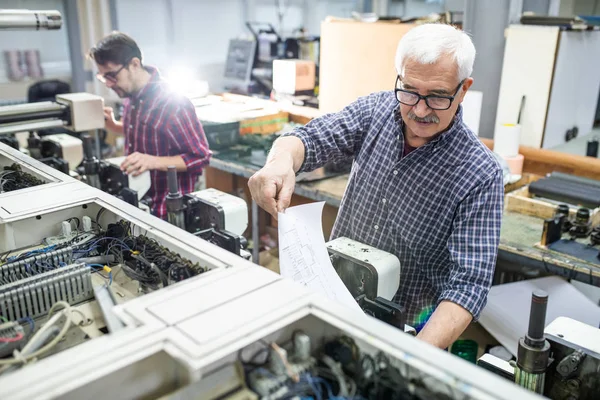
(293, 76)
(357, 58)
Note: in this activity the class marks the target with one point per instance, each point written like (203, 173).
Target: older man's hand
(272, 186)
(136, 163)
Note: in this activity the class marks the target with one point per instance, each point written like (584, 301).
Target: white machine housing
(72, 147)
(184, 340)
(383, 265)
(234, 209)
(87, 111)
(141, 183)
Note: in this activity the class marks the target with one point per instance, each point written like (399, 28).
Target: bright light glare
(182, 80)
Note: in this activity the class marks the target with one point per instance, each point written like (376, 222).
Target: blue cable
(30, 321)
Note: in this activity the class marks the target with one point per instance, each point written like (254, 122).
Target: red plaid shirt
(160, 122)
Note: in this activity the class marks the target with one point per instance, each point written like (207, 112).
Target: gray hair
(426, 43)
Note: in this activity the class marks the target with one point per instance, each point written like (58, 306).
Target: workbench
(518, 255)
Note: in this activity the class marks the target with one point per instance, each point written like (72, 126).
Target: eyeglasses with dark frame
(433, 101)
(111, 76)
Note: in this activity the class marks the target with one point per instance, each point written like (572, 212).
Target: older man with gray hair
(422, 186)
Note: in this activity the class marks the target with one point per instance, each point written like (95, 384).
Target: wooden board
(527, 70)
(543, 162)
(357, 59)
(522, 202)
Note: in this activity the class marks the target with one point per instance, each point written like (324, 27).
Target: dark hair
(117, 48)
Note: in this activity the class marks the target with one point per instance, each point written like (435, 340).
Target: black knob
(582, 216)
(537, 316)
(561, 210)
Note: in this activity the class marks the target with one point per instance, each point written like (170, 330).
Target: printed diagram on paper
(303, 255)
(303, 268)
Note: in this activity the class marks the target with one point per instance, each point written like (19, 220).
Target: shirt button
(130, 126)
(383, 201)
(395, 172)
(376, 227)
(133, 107)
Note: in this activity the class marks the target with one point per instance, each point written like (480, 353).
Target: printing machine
(102, 300)
(559, 361)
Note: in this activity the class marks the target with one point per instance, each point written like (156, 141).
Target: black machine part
(175, 202)
(573, 190)
(592, 148)
(568, 365)
(580, 227)
(58, 164)
(533, 353)
(34, 145)
(384, 310)
(224, 239)
(595, 236)
(553, 229)
(201, 215)
(358, 281)
(562, 211)
(10, 140)
(91, 165)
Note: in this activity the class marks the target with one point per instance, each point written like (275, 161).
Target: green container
(466, 349)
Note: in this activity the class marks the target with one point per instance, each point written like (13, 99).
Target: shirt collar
(151, 86)
(444, 137)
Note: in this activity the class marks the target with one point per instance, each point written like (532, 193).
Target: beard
(431, 118)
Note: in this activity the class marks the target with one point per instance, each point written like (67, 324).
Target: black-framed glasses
(433, 101)
(111, 76)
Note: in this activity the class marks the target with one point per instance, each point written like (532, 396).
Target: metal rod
(31, 126)
(30, 19)
(33, 115)
(19, 109)
(106, 301)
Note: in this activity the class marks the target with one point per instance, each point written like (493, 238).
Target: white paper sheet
(506, 316)
(303, 256)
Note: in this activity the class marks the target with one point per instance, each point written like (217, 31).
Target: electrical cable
(22, 356)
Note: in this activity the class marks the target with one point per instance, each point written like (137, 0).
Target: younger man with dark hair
(160, 126)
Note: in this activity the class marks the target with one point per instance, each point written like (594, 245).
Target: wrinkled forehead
(442, 74)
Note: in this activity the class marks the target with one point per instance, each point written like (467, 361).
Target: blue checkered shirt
(438, 209)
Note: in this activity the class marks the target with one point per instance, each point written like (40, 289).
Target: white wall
(415, 8)
(53, 45)
(201, 29)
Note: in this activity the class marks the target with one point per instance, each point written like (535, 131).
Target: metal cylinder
(533, 382)
(172, 180)
(301, 346)
(533, 352)
(174, 201)
(537, 317)
(562, 210)
(20, 109)
(94, 181)
(30, 19)
(582, 216)
(33, 115)
(88, 147)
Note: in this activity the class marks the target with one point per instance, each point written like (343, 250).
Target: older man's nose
(421, 109)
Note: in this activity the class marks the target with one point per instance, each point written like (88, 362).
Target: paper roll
(515, 164)
(506, 140)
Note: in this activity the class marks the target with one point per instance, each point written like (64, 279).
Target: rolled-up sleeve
(335, 136)
(473, 246)
(187, 136)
